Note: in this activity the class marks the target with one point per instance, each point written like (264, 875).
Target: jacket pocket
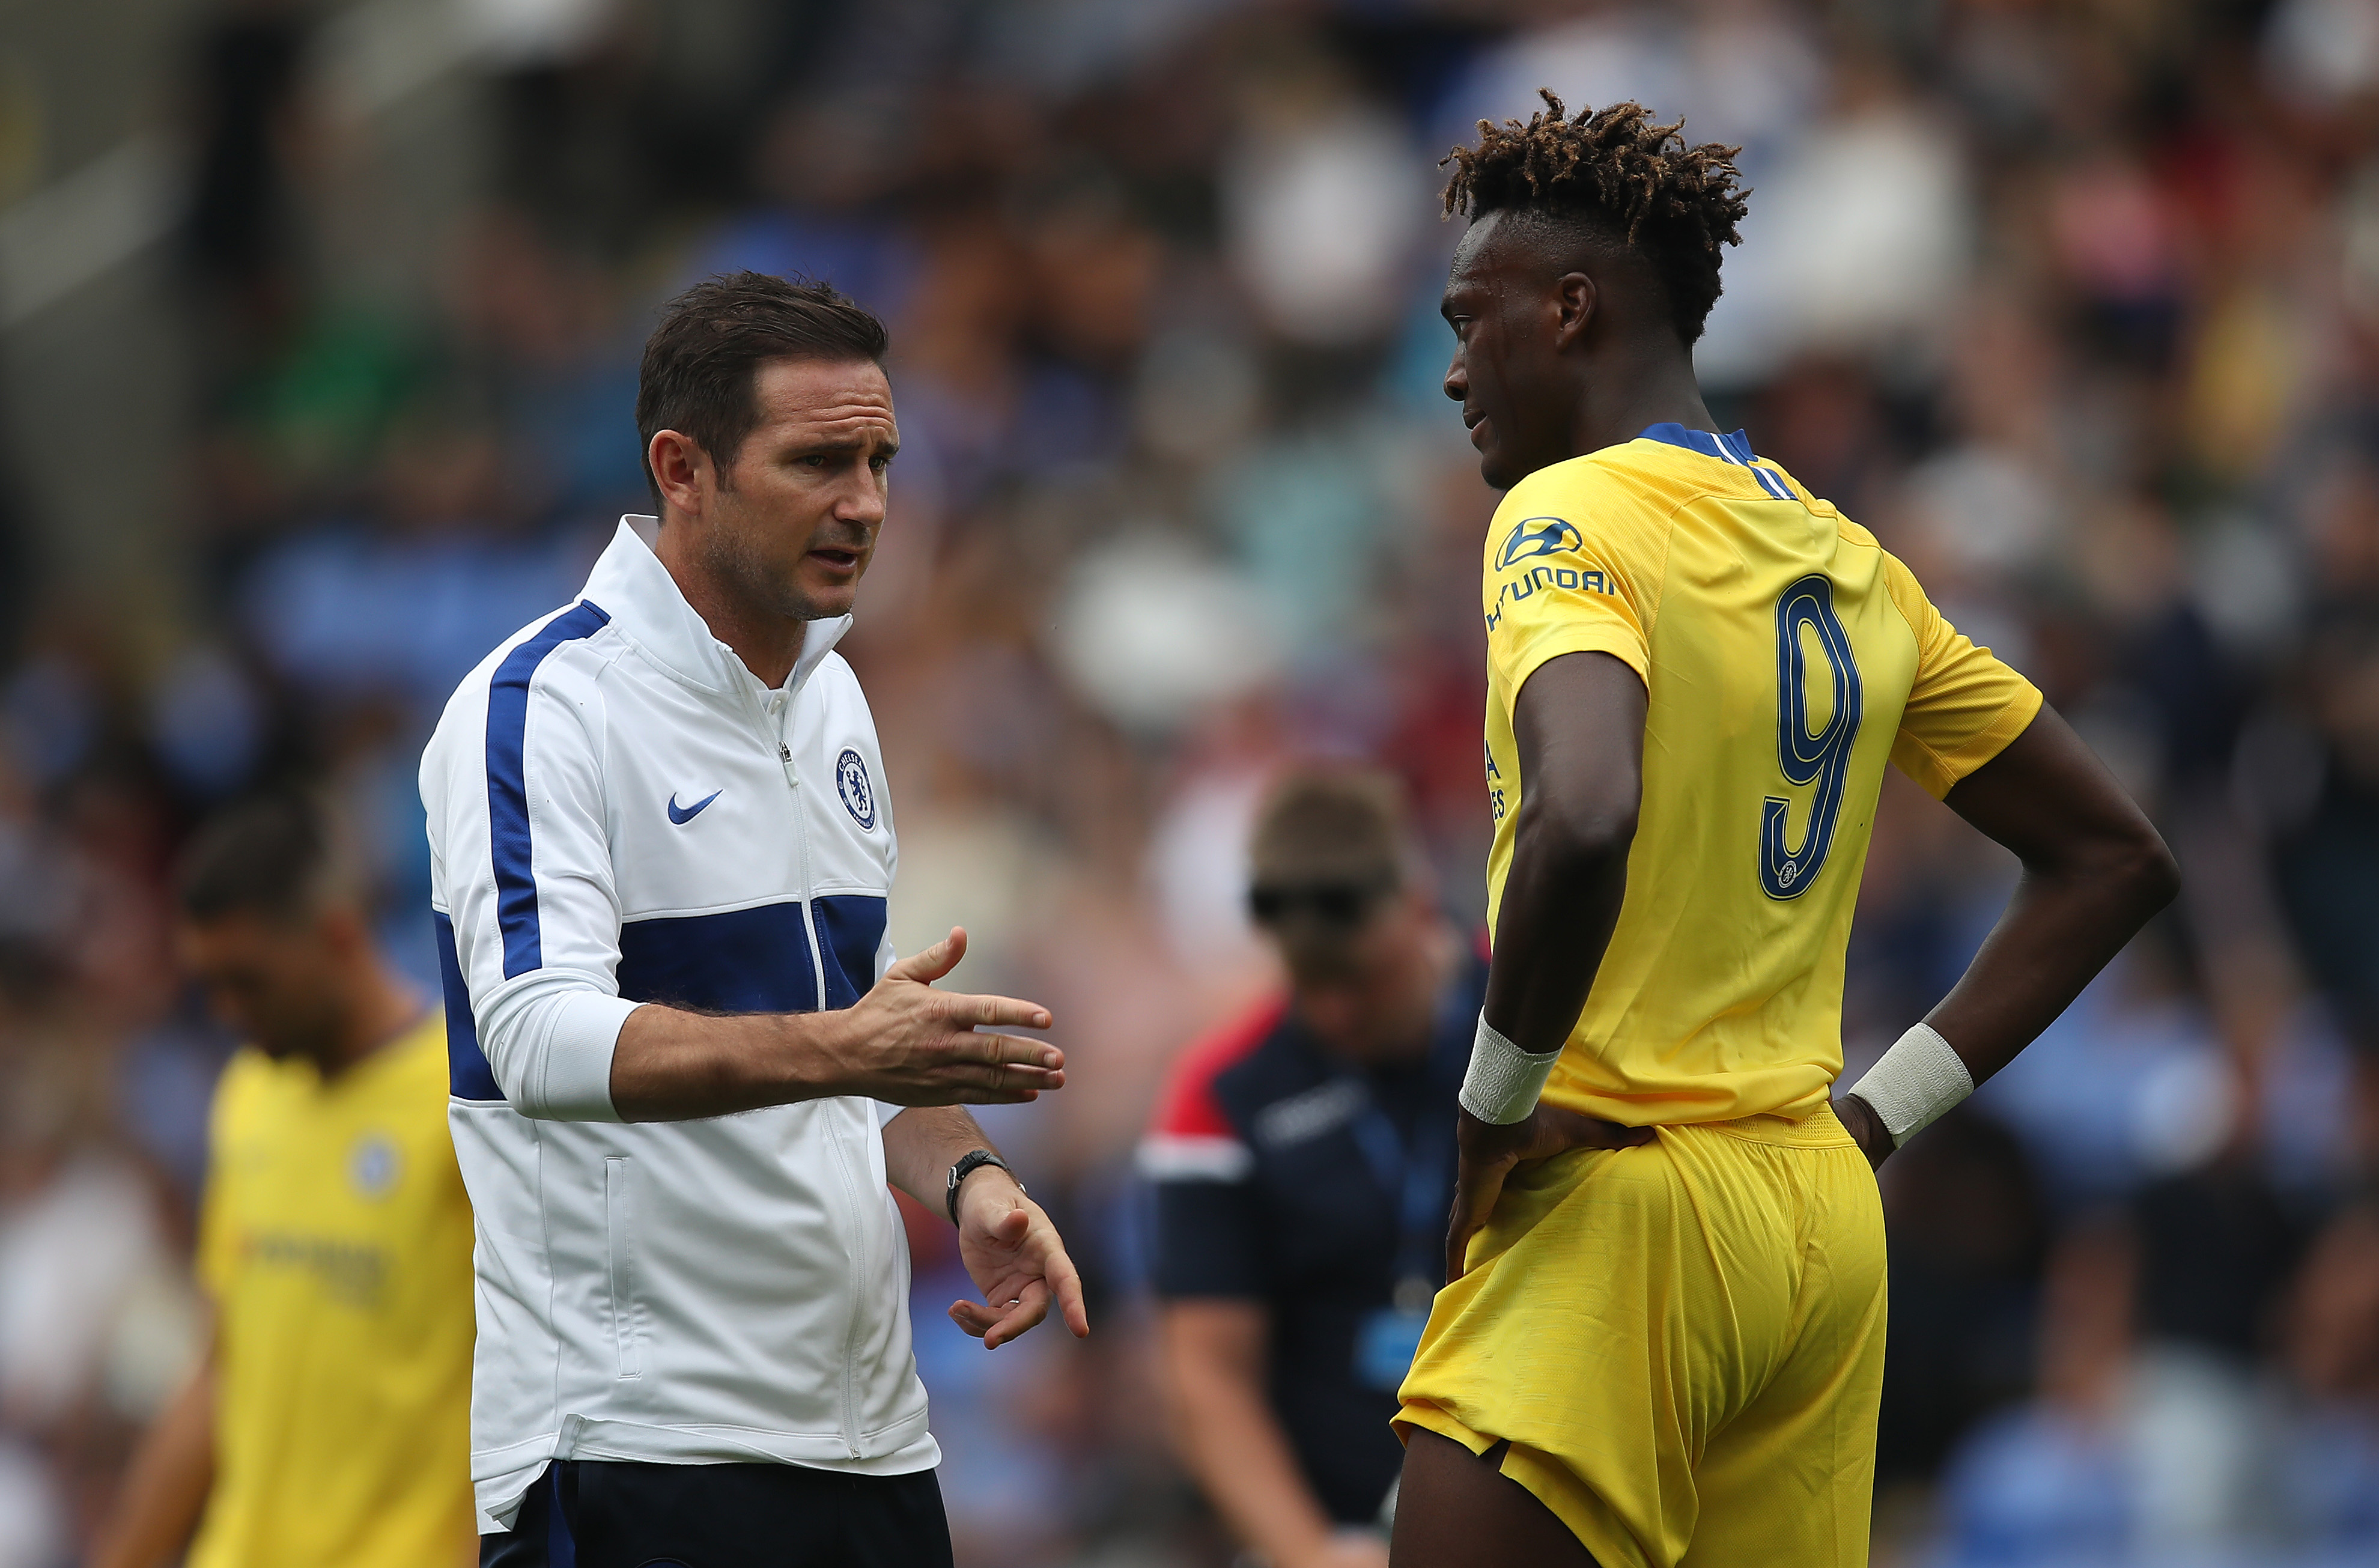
(620, 1258)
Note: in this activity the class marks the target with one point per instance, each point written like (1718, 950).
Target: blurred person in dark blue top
(1303, 1161)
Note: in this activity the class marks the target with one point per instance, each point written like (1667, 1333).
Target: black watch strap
(968, 1165)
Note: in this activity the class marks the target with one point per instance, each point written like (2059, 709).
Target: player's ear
(1574, 298)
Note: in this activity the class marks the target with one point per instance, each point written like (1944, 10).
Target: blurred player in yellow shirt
(328, 1427)
(1662, 1341)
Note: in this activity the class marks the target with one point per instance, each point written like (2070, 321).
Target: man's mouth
(836, 558)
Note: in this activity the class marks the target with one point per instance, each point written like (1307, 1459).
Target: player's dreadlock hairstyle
(1614, 169)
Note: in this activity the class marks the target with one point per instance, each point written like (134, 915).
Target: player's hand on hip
(1016, 1259)
(1866, 1128)
(907, 1044)
(1489, 1152)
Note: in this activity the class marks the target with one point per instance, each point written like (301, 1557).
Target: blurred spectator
(1968, 1228)
(2130, 1453)
(1303, 1162)
(2327, 1456)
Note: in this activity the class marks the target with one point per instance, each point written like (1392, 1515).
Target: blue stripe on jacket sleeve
(508, 786)
(468, 1076)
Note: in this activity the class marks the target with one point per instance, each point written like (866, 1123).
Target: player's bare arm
(2094, 872)
(165, 1486)
(1579, 724)
(904, 1043)
(1010, 1248)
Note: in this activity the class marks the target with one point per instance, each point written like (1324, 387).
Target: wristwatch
(968, 1165)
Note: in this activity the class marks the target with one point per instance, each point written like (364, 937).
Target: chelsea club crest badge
(851, 783)
(374, 1164)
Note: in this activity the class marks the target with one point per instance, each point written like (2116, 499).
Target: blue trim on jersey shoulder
(468, 1076)
(755, 961)
(507, 834)
(1735, 448)
(850, 932)
(1708, 442)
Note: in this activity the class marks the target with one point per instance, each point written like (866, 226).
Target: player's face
(274, 983)
(794, 529)
(1507, 370)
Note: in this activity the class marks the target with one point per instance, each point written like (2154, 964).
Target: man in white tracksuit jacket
(662, 852)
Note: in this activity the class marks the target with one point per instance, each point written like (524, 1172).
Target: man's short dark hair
(1627, 178)
(279, 858)
(700, 363)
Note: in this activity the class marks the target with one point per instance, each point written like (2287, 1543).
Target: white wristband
(1914, 1084)
(1503, 1081)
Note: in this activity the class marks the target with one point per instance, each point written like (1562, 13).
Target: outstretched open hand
(1017, 1259)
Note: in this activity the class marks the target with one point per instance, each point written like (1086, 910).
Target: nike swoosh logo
(683, 815)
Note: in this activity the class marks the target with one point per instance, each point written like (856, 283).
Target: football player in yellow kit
(327, 1425)
(1662, 1341)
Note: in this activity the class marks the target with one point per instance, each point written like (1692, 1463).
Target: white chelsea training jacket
(620, 813)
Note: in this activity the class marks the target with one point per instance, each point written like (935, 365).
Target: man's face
(1377, 998)
(1507, 370)
(794, 528)
(273, 981)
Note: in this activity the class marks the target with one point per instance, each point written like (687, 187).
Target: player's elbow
(2151, 869)
(1583, 837)
(2137, 862)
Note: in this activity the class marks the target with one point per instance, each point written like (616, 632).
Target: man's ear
(677, 463)
(1574, 298)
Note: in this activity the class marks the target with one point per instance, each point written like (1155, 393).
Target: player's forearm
(674, 1065)
(2062, 926)
(2094, 872)
(1560, 902)
(165, 1487)
(1235, 1449)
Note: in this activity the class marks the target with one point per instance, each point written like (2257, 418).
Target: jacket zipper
(841, 1159)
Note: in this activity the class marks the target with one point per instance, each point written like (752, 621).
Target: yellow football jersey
(336, 1241)
(1787, 657)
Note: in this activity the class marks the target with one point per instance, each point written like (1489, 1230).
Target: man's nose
(1457, 379)
(863, 500)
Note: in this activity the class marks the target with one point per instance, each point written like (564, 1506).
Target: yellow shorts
(1682, 1343)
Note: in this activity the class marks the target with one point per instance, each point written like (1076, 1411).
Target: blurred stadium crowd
(2074, 302)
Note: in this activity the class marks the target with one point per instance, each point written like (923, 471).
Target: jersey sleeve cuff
(1940, 772)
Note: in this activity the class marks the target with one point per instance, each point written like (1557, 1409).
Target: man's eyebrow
(844, 443)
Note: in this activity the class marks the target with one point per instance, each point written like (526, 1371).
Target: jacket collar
(632, 585)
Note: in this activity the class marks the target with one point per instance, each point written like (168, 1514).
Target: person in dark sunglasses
(1302, 1160)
